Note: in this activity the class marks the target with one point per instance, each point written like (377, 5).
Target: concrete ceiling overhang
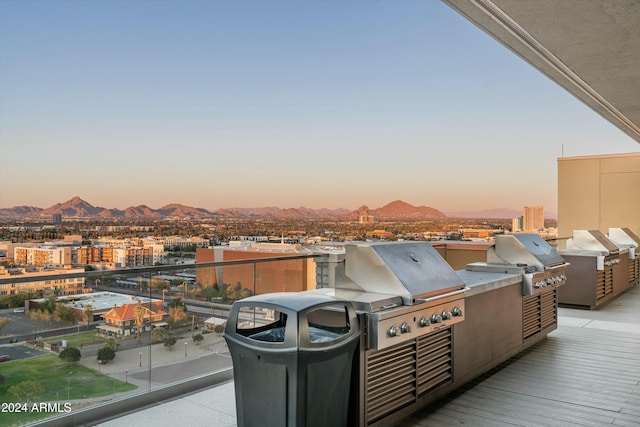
(589, 47)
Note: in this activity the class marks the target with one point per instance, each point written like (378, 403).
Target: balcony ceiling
(589, 47)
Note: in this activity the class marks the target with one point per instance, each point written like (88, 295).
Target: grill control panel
(383, 333)
(535, 283)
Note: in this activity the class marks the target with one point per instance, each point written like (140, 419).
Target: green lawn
(74, 340)
(61, 382)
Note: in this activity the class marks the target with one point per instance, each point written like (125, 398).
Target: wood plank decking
(586, 373)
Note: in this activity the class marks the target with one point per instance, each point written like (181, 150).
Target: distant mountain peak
(76, 207)
(399, 209)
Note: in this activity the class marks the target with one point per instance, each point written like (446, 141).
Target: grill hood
(411, 270)
(591, 241)
(625, 239)
(524, 250)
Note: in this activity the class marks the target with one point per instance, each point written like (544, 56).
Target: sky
(319, 103)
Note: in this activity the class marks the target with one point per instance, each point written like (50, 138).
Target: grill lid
(412, 270)
(528, 249)
(624, 237)
(591, 240)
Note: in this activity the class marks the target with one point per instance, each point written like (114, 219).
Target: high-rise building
(533, 218)
(516, 225)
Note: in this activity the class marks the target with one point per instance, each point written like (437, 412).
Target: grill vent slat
(386, 390)
(539, 312)
(604, 280)
(397, 376)
(434, 361)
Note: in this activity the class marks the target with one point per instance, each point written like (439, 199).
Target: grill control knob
(405, 327)
(446, 315)
(394, 331)
(436, 318)
(457, 312)
(424, 321)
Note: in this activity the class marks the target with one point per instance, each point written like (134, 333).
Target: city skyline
(288, 104)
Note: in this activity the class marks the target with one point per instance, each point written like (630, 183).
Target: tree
(70, 355)
(170, 342)
(64, 313)
(39, 315)
(49, 305)
(106, 354)
(4, 321)
(231, 293)
(159, 284)
(112, 343)
(16, 300)
(177, 310)
(88, 312)
(177, 314)
(219, 329)
(197, 338)
(139, 315)
(159, 334)
(177, 302)
(26, 390)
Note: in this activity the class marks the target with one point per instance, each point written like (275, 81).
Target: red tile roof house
(121, 320)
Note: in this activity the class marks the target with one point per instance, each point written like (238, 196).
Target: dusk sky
(277, 103)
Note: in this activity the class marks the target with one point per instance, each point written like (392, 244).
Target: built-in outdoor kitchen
(427, 329)
(625, 239)
(598, 270)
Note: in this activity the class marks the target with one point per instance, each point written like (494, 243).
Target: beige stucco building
(598, 193)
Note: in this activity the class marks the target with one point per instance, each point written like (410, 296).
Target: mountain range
(78, 208)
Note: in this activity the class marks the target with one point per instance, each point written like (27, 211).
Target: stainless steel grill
(596, 270)
(405, 290)
(626, 239)
(542, 267)
(543, 270)
(408, 298)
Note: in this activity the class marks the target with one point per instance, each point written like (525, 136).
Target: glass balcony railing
(139, 336)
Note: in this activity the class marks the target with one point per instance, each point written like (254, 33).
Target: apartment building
(51, 285)
(532, 218)
(171, 242)
(43, 255)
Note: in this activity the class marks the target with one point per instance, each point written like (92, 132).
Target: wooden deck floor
(586, 373)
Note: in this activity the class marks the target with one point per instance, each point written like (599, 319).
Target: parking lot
(19, 322)
(21, 327)
(19, 351)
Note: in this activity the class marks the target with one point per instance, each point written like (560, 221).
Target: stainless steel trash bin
(292, 358)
